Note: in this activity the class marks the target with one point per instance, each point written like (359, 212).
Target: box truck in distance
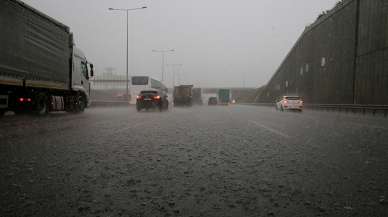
(41, 70)
(224, 96)
(183, 95)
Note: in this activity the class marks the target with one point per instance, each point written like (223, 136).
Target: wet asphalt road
(200, 161)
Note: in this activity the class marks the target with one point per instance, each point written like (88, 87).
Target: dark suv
(150, 99)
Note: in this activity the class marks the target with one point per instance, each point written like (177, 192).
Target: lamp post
(244, 79)
(163, 52)
(127, 13)
(174, 71)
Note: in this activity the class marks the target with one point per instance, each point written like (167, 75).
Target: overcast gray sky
(217, 41)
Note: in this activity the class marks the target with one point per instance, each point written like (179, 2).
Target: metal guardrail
(374, 109)
(364, 109)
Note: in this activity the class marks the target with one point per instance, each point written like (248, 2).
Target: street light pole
(163, 64)
(127, 64)
(244, 80)
(127, 68)
(175, 72)
(163, 53)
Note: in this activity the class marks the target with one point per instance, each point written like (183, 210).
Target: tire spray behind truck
(41, 70)
(197, 96)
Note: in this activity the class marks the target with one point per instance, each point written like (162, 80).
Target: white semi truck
(41, 70)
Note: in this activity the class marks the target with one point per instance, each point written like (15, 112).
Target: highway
(199, 161)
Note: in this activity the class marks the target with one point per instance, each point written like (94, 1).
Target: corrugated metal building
(342, 58)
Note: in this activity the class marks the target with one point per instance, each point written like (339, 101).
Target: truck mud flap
(3, 101)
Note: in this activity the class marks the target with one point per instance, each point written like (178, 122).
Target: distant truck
(197, 96)
(183, 95)
(41, 70)
(224, 96)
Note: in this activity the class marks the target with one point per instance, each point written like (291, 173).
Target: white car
(290, 103)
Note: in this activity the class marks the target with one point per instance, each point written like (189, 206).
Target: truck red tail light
(24, 100)
(157, 97)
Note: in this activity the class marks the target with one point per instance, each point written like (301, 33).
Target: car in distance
(212, 101)
(151, 99)
(290, 103)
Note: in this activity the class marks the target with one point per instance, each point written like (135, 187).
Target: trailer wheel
(42, 104)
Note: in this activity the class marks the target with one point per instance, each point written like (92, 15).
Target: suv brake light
(157, 97)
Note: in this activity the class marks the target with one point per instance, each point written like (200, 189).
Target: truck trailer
(183, 95)
(41, 70)
(224, 96)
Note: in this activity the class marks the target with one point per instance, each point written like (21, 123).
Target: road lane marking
(277, 132)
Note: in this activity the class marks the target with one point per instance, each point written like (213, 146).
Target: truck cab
(82, 71)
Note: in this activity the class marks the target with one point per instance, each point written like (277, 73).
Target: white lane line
(277, 132)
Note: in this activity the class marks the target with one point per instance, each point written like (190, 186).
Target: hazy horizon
(218, 42)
